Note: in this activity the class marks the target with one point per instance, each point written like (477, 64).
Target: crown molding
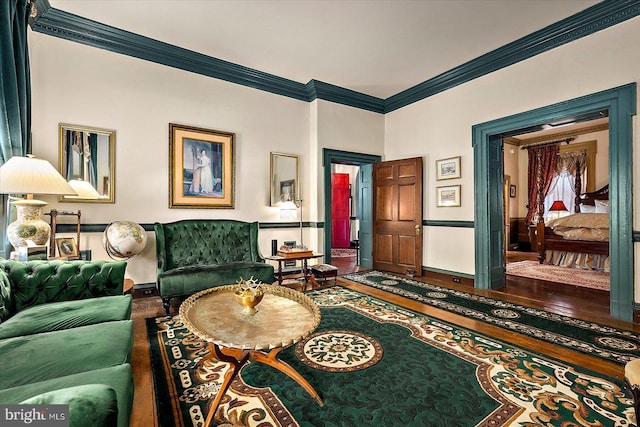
(71, 27)
(57, 23)
(64, 25)
(340, 95)
(584, 23)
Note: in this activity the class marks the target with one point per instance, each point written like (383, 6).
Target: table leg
(280, 272)
(236, 358)
(272, 360)
(305, 270)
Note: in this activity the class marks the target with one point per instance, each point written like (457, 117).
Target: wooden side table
(127, 286)
(305, 268)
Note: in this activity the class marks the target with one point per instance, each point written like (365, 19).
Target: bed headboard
(590, 198)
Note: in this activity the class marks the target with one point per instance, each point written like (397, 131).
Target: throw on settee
(197, 254)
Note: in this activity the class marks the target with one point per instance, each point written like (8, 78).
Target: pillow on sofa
(89, 405)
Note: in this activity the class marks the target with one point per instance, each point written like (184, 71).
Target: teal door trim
(621, 104)
(330, 156)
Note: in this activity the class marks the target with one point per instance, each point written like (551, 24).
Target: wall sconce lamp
(288, 211)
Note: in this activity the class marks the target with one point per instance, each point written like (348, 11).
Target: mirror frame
(111, 134)
(275, 184)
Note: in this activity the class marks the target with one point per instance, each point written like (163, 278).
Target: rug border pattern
(581, 346)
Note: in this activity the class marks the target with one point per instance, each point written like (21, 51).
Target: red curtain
(542, 165)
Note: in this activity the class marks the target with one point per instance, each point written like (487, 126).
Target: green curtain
(15, 94)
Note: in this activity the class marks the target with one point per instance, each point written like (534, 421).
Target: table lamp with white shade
(84, 189)
(29, 175)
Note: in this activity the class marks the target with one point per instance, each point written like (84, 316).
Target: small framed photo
(67, 247)
(291, 263)
(201, 167)
(512, 191)
(448, 168)
(448, 196)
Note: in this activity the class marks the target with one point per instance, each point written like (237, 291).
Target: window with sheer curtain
(563, 185)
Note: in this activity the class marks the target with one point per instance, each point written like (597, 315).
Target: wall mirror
(284, 178)
(87, 161)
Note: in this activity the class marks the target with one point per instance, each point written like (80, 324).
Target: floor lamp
(299, 205)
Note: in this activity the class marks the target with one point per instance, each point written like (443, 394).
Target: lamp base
(29, 225)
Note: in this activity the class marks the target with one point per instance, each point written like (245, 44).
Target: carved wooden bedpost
(540, 201)
(578, 187)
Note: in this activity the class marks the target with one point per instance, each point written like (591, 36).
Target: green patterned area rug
(378, 364)
(609, 343)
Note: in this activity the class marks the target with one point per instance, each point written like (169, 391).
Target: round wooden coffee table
(283, 317)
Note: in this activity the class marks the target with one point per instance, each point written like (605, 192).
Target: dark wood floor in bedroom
(567, 300)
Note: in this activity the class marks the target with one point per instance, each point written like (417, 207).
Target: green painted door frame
(489, 257)
(330, 156)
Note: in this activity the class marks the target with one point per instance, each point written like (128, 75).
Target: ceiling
(376, 47)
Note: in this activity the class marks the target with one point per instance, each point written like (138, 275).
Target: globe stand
(123, 240)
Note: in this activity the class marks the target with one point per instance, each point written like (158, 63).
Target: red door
(340, 210)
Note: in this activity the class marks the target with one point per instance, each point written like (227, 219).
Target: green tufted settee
(66, 338)
(197, 254)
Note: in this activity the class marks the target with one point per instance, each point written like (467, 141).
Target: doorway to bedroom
(580, 147)
(620, 102)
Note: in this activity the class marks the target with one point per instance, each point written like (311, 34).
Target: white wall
(76, 84)
(440, 126)
(339, 127)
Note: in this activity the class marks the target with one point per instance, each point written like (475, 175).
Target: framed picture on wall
(201, 167)
(448, 168)
(448, 196)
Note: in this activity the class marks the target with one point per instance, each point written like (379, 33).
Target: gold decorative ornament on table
(249, 294)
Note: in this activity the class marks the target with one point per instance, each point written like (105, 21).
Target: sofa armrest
(161, 251)
(256, 256)
(40, 282)
(89, 405)
(7, 307)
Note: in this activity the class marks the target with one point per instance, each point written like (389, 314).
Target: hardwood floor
(566, 300)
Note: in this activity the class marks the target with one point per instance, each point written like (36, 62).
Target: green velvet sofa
(197, 254)
(66, 338)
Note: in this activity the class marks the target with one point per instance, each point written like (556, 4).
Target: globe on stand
(124, 239)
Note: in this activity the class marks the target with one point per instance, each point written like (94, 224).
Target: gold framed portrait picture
(201, 167)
